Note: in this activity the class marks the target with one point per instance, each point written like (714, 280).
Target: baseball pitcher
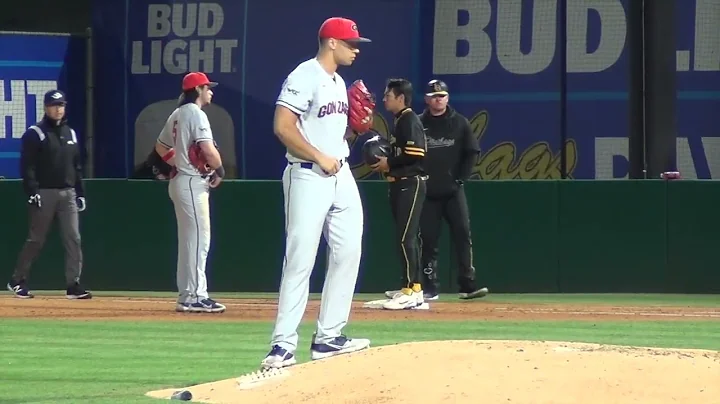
(312, 115)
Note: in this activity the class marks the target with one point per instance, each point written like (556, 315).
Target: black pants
(406, 200)
(60, 202)
(454, 209)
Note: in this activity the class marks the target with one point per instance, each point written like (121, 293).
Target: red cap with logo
(341, 28)
(196, 79)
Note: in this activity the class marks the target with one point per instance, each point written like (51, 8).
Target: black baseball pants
(407, 196)
(452, 208)
(60, 203)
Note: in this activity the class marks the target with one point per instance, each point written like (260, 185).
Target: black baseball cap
(55, 97)
(436, 87)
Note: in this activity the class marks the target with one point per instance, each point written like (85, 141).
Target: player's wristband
(170, 154)
(220, 171)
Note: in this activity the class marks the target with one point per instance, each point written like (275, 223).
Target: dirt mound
(492, 371)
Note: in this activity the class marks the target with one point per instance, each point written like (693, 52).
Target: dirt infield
(462, 371)
(156, 309)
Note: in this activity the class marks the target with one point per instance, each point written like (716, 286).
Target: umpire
(451, 155)
(407, 190)
(52, 179)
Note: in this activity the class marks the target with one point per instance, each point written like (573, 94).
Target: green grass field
(82, 361)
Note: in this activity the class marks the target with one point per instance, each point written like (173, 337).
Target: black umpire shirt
(409, 147)
(451, 151)
(50, 157)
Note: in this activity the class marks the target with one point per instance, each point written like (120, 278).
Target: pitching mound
(492, 371)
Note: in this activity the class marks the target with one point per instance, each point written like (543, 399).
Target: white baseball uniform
(318, 204)
(190, 194)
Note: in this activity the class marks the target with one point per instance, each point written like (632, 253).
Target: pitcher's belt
(310, 166)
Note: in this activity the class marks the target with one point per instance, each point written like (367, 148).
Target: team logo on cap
(56, 96)
(437, 87)
(354, 27)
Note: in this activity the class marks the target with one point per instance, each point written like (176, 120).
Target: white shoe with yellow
(405, 299)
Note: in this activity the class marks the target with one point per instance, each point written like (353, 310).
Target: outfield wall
(529, 236)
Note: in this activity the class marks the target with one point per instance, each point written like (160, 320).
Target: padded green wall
(529, 236)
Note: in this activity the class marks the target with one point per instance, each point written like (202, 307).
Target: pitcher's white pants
(191, 197)
(315, 205)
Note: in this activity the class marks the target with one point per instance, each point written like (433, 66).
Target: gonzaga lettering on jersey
(320, 101)
(336, 107)
(187, 124)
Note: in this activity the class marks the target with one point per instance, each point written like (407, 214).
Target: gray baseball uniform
(190, 193)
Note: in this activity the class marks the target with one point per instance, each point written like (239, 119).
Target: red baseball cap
(195, 79)
(341, 28)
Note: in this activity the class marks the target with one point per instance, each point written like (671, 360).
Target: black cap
(436, 87)
(55, 97)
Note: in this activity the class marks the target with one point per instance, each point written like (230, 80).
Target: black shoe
(431, 295)
(76, 291)
(19, 289)
(469, 290)
(481, 292)
(430, 292)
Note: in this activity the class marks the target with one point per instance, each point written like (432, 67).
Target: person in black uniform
(452, 152)
(52, 179)
(404, 170)
(154, 167)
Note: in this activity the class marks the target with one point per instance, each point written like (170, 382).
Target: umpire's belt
(310, 166)
(393, 179)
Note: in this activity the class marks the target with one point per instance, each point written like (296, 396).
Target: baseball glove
(361, 107)
(197, 158)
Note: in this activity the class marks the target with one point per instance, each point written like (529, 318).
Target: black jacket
(451, 151)
(153, 168)
(409, 147)
(50, 157)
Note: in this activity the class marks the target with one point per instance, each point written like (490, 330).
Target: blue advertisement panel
(149, 58)
(501, 60)
(697, 42)
(698, 85)
(272, 52)
(31, 65)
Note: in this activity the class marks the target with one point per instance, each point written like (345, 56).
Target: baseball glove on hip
(198, 160)
(361, 107)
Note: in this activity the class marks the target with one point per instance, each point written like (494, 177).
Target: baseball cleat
(431, 295)
(427, 295)
(203, 306)
(20, 290)
(391, 293)
(481, 292)
(76, 292)
(278, 358)
(405, 301)
(337, 346)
